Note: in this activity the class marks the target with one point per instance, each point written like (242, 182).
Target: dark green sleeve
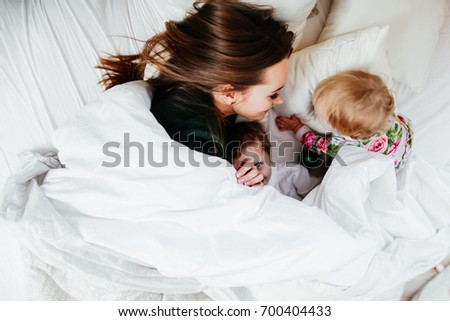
(200, 141)
(183, 124)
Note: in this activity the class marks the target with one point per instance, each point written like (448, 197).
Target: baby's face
(255, 156)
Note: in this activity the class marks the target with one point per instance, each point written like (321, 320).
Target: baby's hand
(289, 123)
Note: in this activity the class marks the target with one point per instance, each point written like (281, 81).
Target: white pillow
(362, 50)
(294, 12)
(414, 31)
(314, 25)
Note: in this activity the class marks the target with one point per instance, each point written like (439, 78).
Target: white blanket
(353, 237)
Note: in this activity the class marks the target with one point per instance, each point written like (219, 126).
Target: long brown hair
(220, 42)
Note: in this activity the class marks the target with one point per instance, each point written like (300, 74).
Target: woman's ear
(226, 99)
(228, 94)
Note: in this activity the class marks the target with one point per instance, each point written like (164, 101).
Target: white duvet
(354, 237)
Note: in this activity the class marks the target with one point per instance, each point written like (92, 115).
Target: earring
(231, 95)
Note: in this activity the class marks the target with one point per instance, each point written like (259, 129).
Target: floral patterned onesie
(395, 142)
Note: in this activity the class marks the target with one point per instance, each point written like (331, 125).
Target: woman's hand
(289, 123)
(249, 175)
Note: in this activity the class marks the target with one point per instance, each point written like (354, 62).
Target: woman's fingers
(249, 176)
(241, 172)
(256, 181)
(259, 184)
(251, 173)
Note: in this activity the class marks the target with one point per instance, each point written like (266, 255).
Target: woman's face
(258, 100)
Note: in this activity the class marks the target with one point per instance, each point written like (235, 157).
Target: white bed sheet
(48, 53)
(429, 109)
(35, 99)
(48, 50)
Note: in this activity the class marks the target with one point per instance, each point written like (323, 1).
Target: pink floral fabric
(308, 139)
(378, 145)
(396, 142)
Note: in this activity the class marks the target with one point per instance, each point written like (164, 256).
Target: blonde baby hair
(356, 103)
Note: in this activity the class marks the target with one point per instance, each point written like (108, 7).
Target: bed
(72, 229)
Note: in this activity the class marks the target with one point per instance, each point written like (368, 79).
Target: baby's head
(354, 103)
(249, 145)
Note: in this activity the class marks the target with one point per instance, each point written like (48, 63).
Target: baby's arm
(321, 144)
(292, 123)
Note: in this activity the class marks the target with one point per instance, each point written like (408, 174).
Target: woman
(227, 58)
